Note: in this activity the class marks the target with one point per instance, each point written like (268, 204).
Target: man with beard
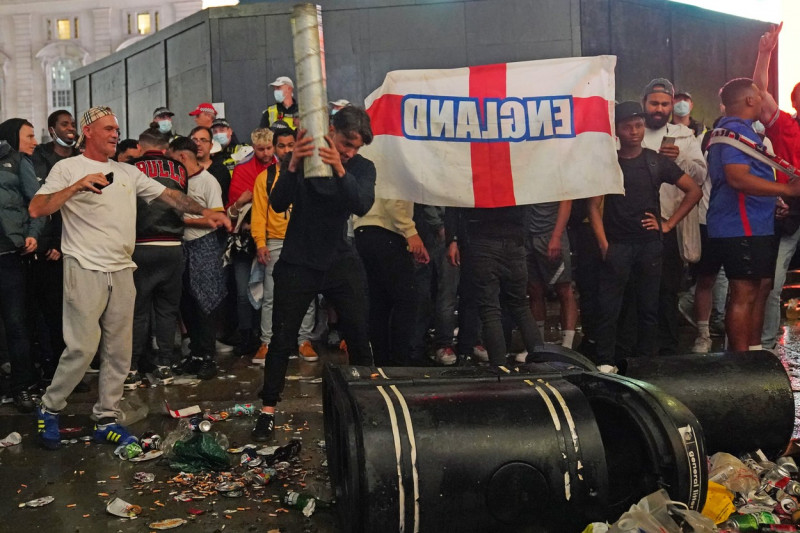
(678, 143)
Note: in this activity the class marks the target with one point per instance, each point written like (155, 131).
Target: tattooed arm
(184, 204)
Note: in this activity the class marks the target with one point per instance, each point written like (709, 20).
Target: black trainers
(133, 381)
(265, 425)
(161, 375)
(23, 402)
(187, 366)
(208, 369)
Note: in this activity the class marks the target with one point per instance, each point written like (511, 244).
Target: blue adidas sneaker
(113, 433)
(47, 425)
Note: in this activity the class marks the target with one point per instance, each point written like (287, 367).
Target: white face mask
(62, 142)
(279, 96)
(681, 108)
(222, 138)
(164, 126)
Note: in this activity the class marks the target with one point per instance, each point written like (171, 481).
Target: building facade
(41, 41)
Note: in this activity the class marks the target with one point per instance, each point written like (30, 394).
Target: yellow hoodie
(265, 222)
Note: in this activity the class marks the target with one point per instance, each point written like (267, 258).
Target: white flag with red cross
(496, 135)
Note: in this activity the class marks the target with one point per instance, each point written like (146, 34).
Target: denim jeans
(499, 273)
(772, 313)
(639, 262)
(12, 308)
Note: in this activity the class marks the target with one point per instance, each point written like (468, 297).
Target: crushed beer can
(150, 441)
(197, 423)
(259, 477)
(128, 451)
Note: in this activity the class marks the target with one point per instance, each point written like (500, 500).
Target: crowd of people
(109, 246)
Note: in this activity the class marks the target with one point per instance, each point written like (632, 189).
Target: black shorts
(743, 257)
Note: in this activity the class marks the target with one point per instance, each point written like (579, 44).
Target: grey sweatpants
(98, 313)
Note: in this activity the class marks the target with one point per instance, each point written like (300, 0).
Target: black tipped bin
(545, 450)
(743, 400)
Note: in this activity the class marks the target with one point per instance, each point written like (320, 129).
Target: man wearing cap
(336, 105)
(204, 114)
(683, 148)
(232, 153)
(162, 116)
(629, 233)
(285, 107)
(97, 200)
(682, 114)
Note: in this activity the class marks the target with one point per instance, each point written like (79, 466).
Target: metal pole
(312, 95)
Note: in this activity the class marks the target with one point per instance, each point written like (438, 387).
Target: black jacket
(18, 185)
(44, 159)
(158, 222)
(320, 209)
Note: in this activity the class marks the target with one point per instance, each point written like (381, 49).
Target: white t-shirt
(204, 189)
(100, 229)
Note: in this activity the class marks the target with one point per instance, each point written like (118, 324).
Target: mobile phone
(667, 141)
(110, 178)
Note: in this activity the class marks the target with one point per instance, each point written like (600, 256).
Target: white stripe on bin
(398, 453)
(413, 442)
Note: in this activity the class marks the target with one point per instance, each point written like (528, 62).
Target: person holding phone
(679, 144)
(99, 231)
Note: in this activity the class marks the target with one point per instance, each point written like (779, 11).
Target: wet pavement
(84, 477)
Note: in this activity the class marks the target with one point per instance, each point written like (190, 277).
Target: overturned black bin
(743, 400)
(546, 449)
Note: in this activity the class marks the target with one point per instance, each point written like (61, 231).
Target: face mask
(758, 127)
(334, 111)
(164, 126)
(681, 108)
(222, 138)
(278, 96)
(61, 142)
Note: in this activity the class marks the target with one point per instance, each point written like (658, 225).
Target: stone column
(101, 22)
(23, 64)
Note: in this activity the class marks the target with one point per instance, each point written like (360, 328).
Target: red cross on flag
(496, 135)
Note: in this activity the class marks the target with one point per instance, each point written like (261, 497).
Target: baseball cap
(220, 122)
(341, 103)
(162, 111)
(280, 127)
(687, 94)
(282, 80)
(205, 107)
(92, 114)
(626, 110)
(659, 85)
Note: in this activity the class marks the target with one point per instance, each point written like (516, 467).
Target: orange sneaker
(261, 355)
(307, 352)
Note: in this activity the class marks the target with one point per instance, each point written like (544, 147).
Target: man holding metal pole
(316, 258)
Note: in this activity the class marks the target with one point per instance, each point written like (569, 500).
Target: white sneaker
(702, 345)
(445, 356)
(223, 348)
(521, 357)
(608, 369)
(480, 353)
